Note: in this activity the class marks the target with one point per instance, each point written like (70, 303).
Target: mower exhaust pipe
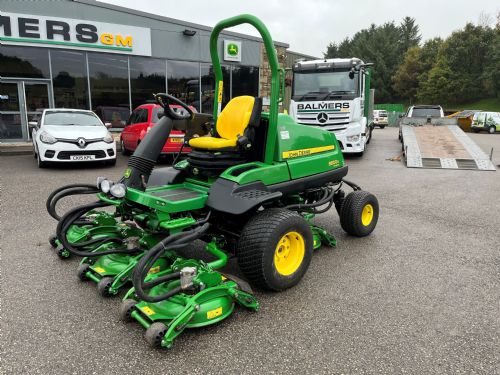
(142, 162)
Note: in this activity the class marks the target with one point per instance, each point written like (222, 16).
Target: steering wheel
(165, 99)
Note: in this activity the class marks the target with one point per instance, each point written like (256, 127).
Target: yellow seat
(231, 123)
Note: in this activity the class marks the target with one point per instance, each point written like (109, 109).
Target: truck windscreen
(323, 85)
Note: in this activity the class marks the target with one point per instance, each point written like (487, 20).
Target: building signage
(232, 50)
(25, 29)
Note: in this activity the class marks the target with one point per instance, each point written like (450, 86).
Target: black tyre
(124, 150)
(126, 309)
(382, 126)
(275, 249)
(62, 253)
(475, 130)
(359, 213)
(52, 241)
(104, 285)
(40, 163)
(492, 129)
(155, 334)
(82, 270)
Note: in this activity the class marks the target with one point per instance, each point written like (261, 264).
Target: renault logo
(81, 142)
(322, 117)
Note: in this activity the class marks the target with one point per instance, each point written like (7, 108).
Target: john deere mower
(250, 189)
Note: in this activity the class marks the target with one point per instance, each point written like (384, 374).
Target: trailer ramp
(442, 146)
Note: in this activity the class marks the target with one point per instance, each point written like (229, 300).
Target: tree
(406, 78)
(409, 34)
(458, 75)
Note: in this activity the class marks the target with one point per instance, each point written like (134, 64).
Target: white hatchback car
(71, 135)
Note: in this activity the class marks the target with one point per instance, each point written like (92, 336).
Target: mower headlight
(353, 138)
(45, 137)
(106, 186)
(108, 138)
(118, 190)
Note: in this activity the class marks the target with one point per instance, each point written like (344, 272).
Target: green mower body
(258, 208)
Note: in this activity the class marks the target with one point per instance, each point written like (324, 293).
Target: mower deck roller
(251, 188)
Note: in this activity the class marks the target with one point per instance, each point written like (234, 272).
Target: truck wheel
(275, 249)
(492, 129)
(359, 213)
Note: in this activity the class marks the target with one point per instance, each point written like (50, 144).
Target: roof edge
(171, 20)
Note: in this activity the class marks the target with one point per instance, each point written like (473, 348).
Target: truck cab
(334, 94)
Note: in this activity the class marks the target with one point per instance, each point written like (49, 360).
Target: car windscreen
(426, 112)
(324, 84)
(71, 118)
(116, 115)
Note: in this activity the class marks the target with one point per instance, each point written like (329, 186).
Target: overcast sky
(309, 25)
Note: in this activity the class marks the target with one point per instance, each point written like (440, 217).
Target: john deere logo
(232, 49)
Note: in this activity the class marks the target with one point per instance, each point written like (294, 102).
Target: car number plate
(176, 140)
(82, 157)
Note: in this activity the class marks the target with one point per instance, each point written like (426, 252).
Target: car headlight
(45, 137)
(353, 138)
(118, 190)
(108, 138)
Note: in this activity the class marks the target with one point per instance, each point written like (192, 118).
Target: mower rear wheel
(82, 270)
(275, 249)
(359, 213)
(126, 309)
(155, 334)
(104, 285)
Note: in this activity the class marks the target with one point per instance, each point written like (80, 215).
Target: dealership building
(91, 55)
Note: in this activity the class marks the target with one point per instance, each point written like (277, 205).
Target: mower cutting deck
(249, 189)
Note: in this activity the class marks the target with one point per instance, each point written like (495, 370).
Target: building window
(26, 62)
(69, 78)
(108, 80)
(147, 77)
(183, 81)
(208, 87)
(245, 81)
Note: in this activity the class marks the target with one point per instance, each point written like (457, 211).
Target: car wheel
(124, 150)
(382, 126)
(41, 163)
(492, 129)
(475, 130)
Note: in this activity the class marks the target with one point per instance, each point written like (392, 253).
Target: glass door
(37, 98)
(21, 102)
(11, 117)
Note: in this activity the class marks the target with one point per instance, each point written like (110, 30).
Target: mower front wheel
(126, 309)
(275, 249)
(359, 213)
(104, 285)
(155, 334)
(82, 270)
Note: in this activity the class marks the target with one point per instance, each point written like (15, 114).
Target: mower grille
(175, 195)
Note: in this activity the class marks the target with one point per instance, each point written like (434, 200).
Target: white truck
(335, 94)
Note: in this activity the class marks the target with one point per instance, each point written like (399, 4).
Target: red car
(140, 121)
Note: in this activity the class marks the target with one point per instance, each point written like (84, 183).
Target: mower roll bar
(275, 74)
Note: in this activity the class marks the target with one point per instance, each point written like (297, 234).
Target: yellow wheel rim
(367, 215)
(289, 253)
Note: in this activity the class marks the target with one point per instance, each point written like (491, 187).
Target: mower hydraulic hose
(64, 191)
(311, 207)
(352, 185)
(70, 218)
(142, 268)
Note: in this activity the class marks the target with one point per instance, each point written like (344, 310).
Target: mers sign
(24, 29)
